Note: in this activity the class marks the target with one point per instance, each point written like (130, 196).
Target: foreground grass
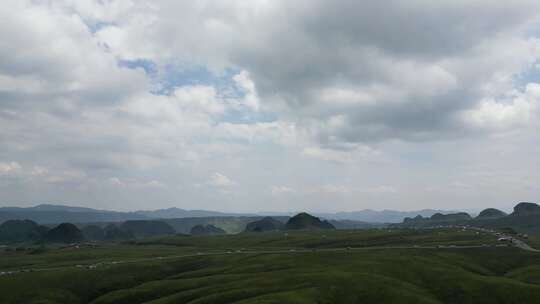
(104, 252)
(476, 275)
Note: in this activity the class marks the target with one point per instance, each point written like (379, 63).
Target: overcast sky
(269, 105)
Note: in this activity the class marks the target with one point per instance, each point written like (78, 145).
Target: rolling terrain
(318, 266)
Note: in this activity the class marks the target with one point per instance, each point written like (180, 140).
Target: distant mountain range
(34, 223)
(181, 213)
(525, 218)
(382, 216)
(366, 215)
(54, 214)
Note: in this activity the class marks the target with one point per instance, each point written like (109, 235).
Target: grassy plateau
(341, 266)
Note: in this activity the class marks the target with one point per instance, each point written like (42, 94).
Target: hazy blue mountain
(525, 208)
(55, 217)
(231, 224)
(54, 214)
(113, 233)
(143, 228)
(264, 224)
(64, 233)
(379, 216)
(437, 219)
(51, 207)
(182, 213)
(21, 230)
(524, 219)
(307, 221)
(93, 233)
(350, 224)
(490, 213)
(460, 216)
(206, 230)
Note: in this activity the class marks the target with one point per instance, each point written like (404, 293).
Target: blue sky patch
(532, 74)
(149, 67)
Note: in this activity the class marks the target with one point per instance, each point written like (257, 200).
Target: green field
(357, 266)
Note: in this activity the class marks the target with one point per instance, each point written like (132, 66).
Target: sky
(270, 105)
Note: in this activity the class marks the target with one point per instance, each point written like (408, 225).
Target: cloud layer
(258, 105)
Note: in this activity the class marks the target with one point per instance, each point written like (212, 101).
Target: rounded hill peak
(525, 208)
(491, 213)
(304, 220)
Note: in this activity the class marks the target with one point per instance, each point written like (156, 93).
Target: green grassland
(534, 240)
(332, 239)
(374, 270)
(55, 256)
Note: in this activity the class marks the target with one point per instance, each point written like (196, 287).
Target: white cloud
(221, 181)
(133, 183)
(62, 177)
(40, 174)
(517, 110)
(328, 154)
(332, 189)
(7, 168)
(280, 190)
(251, 99)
